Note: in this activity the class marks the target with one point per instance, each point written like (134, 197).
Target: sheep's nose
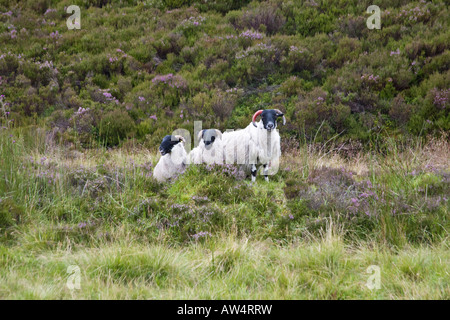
(270, 125)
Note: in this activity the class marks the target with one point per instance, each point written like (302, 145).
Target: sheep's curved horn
(281, 114)
(257, 113)
(219, 134)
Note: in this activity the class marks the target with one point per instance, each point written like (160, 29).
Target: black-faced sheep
(257, 144)
(173, 158)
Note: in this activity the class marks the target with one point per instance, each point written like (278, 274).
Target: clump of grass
(319, 267)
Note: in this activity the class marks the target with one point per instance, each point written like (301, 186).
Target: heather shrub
(400, 111)
(352, 26)
(146, 128)
(84, 122)
(255, 63)
(328, 187)
(190, 54)
(223, 6)
(69, 98)
(169, 87)
(40, 73)
(115, 126)
(174, 56)
(8, 63)
(312, 112)
(171, 43)
(192, 222)
(172, 4)
(347, 50)
(265, 17)
(223, 103)
(292, 86)
(39, 5)
(426, 47)
(296, 13)
(60, 119)
(297, 60)
(439, 63)
(199, 105)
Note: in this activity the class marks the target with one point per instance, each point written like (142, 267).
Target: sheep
(173, 158)
(258, 143)
(209, 149)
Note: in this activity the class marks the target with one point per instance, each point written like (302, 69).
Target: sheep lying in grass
(209, 149)
(257, 144)
(173, 158)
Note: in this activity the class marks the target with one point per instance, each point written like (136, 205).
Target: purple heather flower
(201, 235)
(55, 35)
(395, 52)
(49, 10)
(253, 35)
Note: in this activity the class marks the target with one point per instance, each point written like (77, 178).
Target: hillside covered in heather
(363, 181)
(140, 69)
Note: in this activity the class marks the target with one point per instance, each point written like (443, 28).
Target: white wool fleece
(201, 154)
(171, 164)
(252, 145)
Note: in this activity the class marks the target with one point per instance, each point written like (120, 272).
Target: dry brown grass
(435, 153)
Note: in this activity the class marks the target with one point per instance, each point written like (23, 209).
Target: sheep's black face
(209, 136)
(167, 144)
(269, 119)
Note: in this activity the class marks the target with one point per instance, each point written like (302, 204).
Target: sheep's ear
(200, 135)
(219, 134)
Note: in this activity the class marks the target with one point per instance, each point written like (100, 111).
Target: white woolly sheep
(173, 158)
(209, 149)
(257, 144)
